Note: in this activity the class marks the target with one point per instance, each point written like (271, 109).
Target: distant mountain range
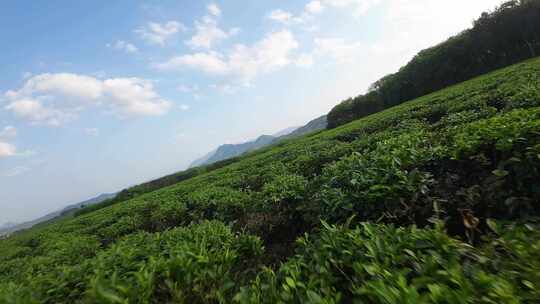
(221, 153)
(231, 150)
(96, 200)
(314, 125)
(9, 228)
(286, 131)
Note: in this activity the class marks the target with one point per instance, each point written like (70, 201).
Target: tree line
(507, 35)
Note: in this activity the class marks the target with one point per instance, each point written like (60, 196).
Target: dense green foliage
(209, 165)
(374, 264)
(505, 36)
(195, 264)
(154, 185)
(448, 184)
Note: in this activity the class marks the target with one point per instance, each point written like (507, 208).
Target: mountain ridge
(9, 228)
(227, 151)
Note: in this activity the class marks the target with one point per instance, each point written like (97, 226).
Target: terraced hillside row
(435, 200)
(208, 166)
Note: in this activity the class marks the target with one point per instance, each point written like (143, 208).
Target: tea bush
(200, 263)
(386, 264)
(466, 157)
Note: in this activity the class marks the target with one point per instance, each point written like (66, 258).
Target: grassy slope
(466, 153)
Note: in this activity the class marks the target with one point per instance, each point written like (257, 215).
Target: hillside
(232, 150)
(90, 202)
(286, 131)
(205, 166)
(509, 34)
(65, 211)
(434, 200)
(228, 151)
(202, 160)
(315, 125)
(211, 161)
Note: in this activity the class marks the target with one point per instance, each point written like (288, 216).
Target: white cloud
(269, 54)
(159, 33)
(69, 85)
(134, 96)
(214, 9)
(358, 7)
(92, 131)
(281, 16)
(244, 62)
(53, 99)
(337, 48)
(8, 132)
(210, 63)
(7, 149)
(288, 18)
(207, 34)
(124, 46)
(183, 107)
(15, 171)
(188, 88)
(224, 88)
(34, 111)
(406, 32)
(314, 7)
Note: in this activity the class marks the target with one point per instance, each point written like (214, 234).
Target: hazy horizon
(95, 97)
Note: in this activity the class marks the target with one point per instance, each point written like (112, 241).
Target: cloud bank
(53, 99)
(244, 62)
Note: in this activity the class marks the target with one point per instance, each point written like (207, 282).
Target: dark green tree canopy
(509, 34)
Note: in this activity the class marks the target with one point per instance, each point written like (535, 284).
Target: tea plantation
(432, 201)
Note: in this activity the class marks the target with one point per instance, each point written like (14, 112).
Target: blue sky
(96, 96)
